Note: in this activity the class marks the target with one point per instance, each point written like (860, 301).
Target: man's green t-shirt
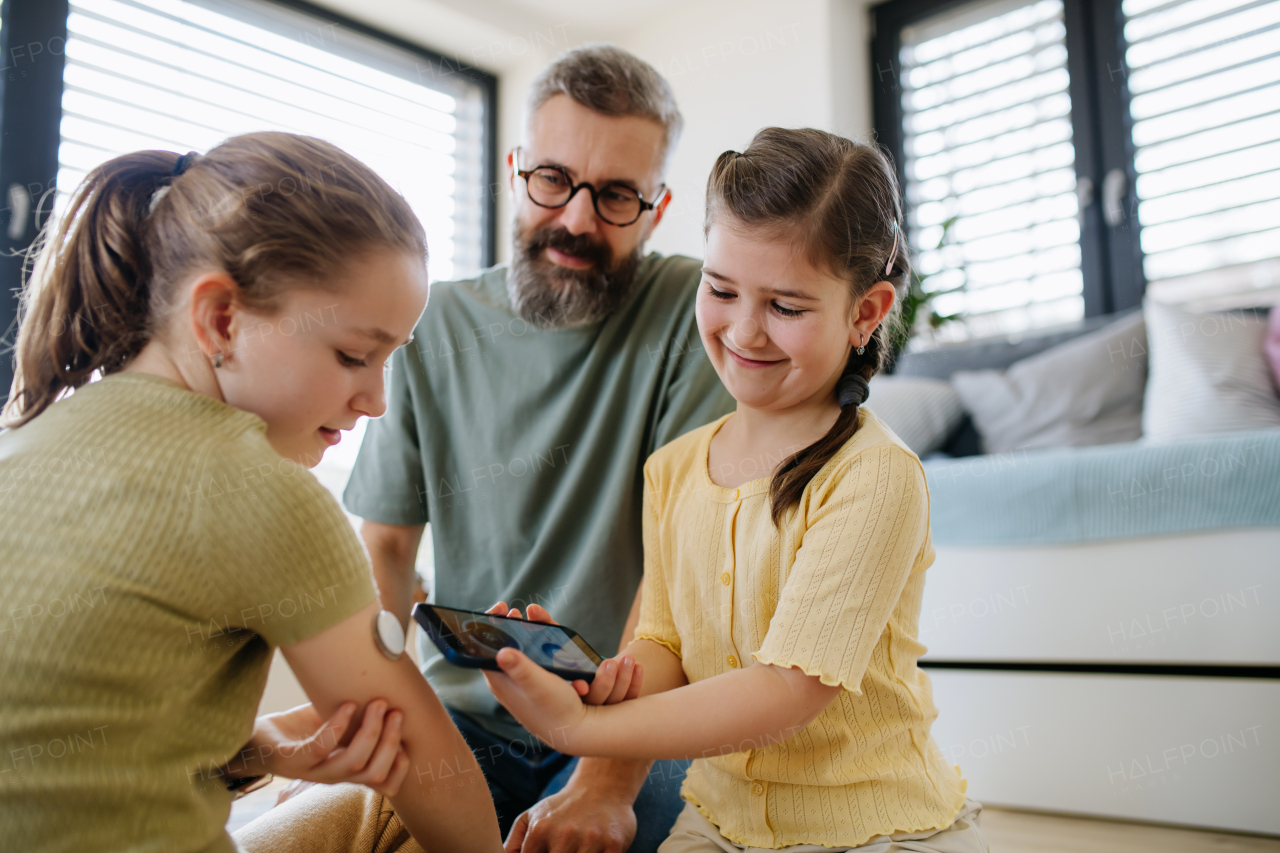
(524, 448)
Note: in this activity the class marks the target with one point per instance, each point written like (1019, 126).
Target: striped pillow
(1207, 374)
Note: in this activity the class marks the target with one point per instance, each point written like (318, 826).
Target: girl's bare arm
(447, 816)
(744, 709)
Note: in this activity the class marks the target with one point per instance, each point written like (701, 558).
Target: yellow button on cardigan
(835, 591)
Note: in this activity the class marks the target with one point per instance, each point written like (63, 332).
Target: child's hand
(616, 679)
(299, 744)
(543, 702)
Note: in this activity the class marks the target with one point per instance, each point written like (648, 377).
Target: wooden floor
(1006, 831)
(1027, 832)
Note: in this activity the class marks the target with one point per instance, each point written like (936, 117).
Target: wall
(735, 67)
(739, 65)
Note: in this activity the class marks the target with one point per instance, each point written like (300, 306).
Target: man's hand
(298, 744)
(575, 820)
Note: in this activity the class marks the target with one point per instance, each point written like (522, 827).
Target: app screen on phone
(546, 645)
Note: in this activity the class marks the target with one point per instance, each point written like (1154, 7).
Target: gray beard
(549, 296)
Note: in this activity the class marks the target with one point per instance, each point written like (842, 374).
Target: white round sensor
(389, 634)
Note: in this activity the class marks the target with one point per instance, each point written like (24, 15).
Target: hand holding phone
(473, 639)
(617, 679)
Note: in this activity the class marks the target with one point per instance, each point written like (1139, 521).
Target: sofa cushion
(1208, 374)
(995, 353)
(922, 412)
(1273, 345)
(1083, 392)
(989, 354)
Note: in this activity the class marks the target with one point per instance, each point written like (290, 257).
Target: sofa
(1102, 620)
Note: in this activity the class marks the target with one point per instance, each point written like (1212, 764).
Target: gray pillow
(1208, 374)
(1085, 391)
(922, 412)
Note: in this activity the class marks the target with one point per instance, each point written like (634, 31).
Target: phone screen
(482, 636)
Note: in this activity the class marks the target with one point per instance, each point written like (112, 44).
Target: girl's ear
(870, 311)
(215, 309)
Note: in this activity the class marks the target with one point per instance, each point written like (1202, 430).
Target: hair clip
(888, 268)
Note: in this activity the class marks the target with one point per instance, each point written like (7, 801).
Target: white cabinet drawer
(1198, 598)
(1183, 750)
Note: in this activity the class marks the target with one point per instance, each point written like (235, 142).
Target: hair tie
(888, 268)
(852, 390)
(183, 163)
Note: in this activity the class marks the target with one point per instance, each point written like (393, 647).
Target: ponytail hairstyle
(275, 211)
(839, 199)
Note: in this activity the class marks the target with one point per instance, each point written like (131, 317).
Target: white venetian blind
(185, 75)
(988, 140)
(1204, 76)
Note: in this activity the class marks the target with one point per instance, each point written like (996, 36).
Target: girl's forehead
(764, 258)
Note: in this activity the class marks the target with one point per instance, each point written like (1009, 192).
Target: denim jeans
(520, 773)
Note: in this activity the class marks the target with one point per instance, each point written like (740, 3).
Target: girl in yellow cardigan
(785, 544)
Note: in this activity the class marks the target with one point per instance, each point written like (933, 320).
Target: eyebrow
(380, 336)
(776, 291)
(625, 182)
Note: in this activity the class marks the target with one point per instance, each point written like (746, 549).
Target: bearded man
(518, 422)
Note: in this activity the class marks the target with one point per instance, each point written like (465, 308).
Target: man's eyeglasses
(616, 204)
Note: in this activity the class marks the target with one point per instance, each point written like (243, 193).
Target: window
(1204, 76)
(185, 74)
(87, 80)
(988, 147)
(1085, 152)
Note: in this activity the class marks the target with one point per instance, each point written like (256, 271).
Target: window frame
(1110, 255)
(31, 99)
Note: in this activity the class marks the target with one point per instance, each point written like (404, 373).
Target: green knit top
(154, 548)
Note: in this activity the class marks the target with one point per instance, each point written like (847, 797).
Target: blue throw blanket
(1117, 491)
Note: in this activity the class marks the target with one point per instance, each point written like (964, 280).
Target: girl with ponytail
(196, 331)
(785, 544)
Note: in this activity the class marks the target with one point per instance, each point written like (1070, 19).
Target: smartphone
(473, 639)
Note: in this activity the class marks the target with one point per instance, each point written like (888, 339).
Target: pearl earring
(217, 359)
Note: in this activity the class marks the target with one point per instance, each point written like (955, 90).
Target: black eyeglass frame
(595, 193)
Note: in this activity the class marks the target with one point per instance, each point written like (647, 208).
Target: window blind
(185, 74)
(1204, 76)
(988, 142)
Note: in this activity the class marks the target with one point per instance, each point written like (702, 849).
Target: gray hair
(612, 82)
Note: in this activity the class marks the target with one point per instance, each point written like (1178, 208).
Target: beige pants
(355, 819)
(329, 819)
(693, 833)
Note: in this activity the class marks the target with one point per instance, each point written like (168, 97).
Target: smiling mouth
(751, 362)
(564, 259)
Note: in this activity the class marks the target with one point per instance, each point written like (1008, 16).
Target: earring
(861, 347)
(217, 359)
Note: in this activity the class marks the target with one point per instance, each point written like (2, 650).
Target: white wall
(739, 65)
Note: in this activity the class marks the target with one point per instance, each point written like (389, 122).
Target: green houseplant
(917, 304)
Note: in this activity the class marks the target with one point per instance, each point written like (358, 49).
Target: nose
(747, 332)
(371, 397)
(578, 216)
